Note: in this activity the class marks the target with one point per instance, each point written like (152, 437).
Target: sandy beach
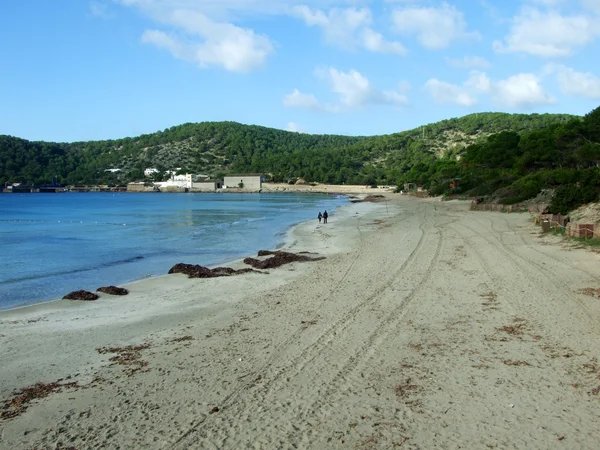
(426, 326)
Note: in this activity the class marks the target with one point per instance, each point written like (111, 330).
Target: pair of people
(323, 216)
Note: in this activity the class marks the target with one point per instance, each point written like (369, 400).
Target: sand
(326, 188)
(427, 326)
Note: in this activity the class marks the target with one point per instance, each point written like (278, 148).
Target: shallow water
(52, 244)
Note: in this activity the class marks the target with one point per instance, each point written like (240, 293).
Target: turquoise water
(52, 244)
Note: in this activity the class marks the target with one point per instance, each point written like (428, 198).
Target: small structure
(207, 185)
(247, 181)
(142, 187)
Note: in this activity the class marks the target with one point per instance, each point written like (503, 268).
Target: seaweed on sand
(18, 404)
(277, 259)
(113, 290)
(197, 271)
(81, 295)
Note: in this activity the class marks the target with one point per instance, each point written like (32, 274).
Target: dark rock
(81, 295)
(197, 271)
(113, 290)
(278, 259)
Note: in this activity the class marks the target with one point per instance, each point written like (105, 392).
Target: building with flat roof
(246, 181)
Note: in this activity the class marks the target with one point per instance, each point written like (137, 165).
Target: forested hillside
(509, 167)
(215, 148)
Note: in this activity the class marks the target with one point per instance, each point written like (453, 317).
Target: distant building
(140, 187)
(179, 177)
(207, 185)
(150, 172)
(177, 181)
(113, 170)
(249, 181)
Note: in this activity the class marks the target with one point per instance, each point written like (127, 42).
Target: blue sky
(78, 70)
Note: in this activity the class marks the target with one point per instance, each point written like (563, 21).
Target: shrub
(570, 196)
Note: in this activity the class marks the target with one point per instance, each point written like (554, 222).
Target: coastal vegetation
(217, 148)
(507, 157)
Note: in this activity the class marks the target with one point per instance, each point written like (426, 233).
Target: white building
(178, 181)
(149, 172)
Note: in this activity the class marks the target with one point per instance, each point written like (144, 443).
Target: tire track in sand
(524, 266)
(328, 334)
(301, 360)
(533, 248)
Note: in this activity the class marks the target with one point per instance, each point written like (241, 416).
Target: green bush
(570, 196)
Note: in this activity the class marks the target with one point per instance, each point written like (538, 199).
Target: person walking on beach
(325, 216)
(320, 216)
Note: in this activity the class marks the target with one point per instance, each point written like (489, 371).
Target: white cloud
(592, 5)
(229, 10)
(306, 101)
(294, 127)
(548, 34)
(469, 62)
(353, 91)
(197, 37)
(465, 95)
(443, 92)
(583, 84)
(348, 28)
(221, 44)
(548, 2)
(339, 25)
(479, 82)
(375, 42)
(99, 10)
(522, 91)
(435, 28)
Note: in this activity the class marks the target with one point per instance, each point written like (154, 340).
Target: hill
(215, 148)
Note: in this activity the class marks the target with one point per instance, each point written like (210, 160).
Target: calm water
(52, 244)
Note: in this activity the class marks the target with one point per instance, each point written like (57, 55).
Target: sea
(52, 244)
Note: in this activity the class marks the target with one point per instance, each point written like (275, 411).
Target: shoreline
(427, 325)
(155, 308)
(288, 243)
(225, 262)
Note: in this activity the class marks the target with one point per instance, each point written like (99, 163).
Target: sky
(74, 70)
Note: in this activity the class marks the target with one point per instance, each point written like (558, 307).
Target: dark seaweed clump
(81, 295)
(113, 290)
(197, 271)
(278, 258)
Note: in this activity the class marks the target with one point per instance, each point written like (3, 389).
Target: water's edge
(286, 242)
